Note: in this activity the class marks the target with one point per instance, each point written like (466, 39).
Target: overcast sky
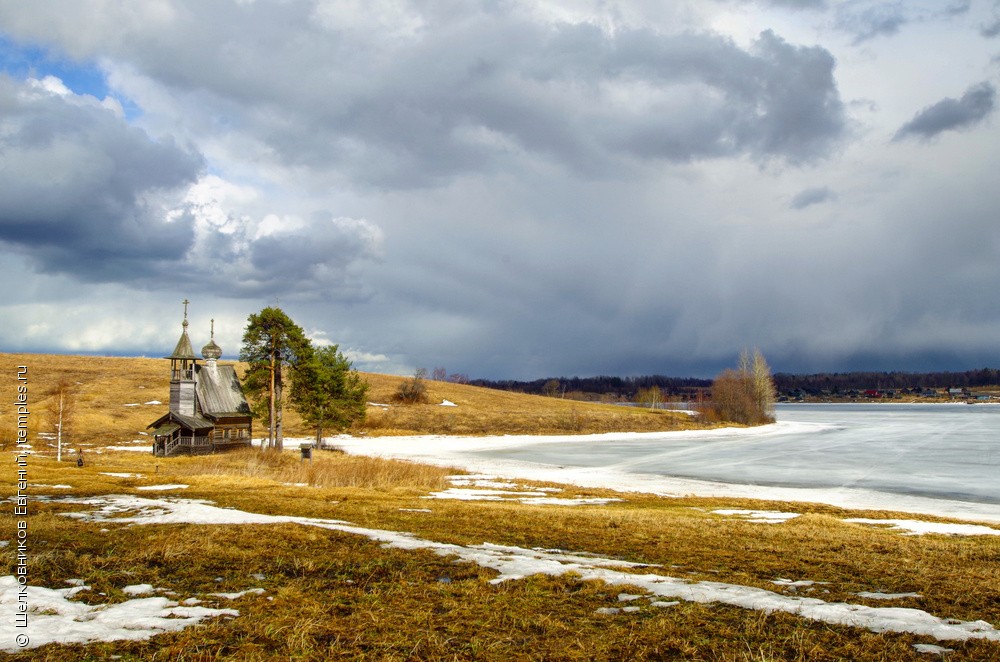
(507, 188)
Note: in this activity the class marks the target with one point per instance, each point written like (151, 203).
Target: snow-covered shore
(485, 455)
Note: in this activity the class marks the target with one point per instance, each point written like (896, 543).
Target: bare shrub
(413, 391)
(745, 395)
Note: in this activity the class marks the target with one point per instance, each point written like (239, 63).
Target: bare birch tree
(60, 408)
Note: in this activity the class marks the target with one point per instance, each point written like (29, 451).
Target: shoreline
(457, 452)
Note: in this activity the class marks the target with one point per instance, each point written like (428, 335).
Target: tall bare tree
(762, 389)
(651, 396)
(60, 408)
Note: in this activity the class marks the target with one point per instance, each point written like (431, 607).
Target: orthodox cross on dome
(185, 302)
(211, 351)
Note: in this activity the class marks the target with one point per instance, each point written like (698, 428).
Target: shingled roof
(219, 392)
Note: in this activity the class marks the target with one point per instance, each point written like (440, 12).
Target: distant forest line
(626, 388)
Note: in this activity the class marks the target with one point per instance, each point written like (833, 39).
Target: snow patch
(54, 618)
(780, 581)
(931, 649)
(758, 516)
(529, 498)
(917, 528)
(470, 488)
(240, 594)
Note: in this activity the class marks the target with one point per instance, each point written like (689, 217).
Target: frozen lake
(937, 458)
(944, 451)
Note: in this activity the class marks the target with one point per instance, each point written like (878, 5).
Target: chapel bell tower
(182, 368)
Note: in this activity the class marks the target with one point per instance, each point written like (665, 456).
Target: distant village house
(208, 412)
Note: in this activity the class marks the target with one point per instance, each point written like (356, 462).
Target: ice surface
(933, 459)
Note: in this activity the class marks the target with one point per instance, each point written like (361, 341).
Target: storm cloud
(866, 20)
(812, 196)
(951, 114)
(83, 192)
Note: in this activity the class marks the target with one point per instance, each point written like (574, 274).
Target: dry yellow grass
(488, 411)
(323, 470)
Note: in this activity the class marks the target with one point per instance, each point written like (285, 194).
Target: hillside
(116, 398)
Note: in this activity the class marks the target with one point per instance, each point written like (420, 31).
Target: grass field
(336, 594)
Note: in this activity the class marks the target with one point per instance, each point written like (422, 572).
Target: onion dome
(211, 351)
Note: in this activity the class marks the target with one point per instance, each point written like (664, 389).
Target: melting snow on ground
(488, 488)
(239, 594)
(55, 618)
(85, 623)
(931, 649)
(917, 528)
(758, 516)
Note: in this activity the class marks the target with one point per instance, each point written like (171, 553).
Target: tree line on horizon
(623, 388)
(627, 388)
(848, 381)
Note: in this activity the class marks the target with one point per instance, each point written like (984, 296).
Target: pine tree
(272, 342)
(328, 393)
